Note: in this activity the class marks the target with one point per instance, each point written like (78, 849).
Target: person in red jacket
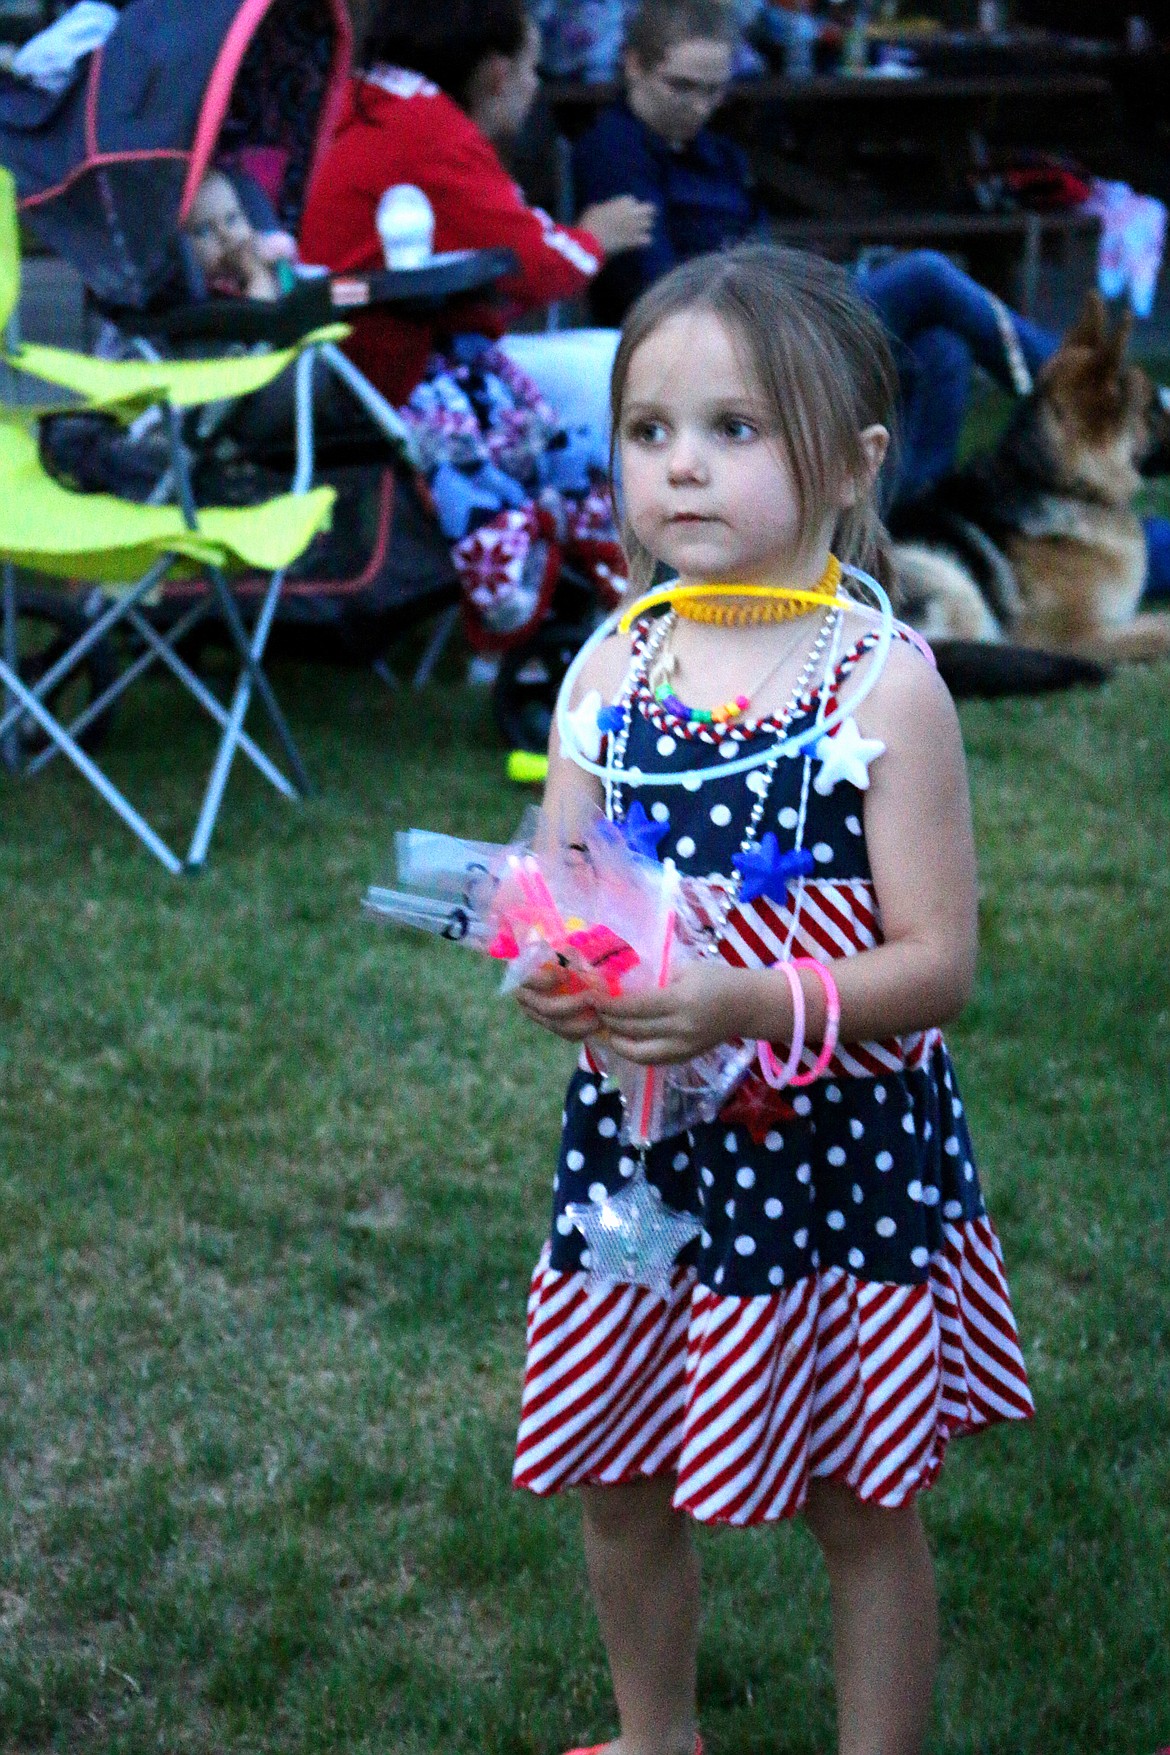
(443, 85)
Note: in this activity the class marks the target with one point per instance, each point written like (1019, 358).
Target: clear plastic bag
(604, 918)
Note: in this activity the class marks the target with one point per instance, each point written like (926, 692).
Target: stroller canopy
(107, 168)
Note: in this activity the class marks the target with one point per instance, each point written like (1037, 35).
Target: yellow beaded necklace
(771, 603)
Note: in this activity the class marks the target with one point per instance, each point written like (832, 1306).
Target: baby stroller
(106, 168)
(107, 162)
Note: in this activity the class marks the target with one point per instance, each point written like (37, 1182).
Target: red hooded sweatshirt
(396, 127)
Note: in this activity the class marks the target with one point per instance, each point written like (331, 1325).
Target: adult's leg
(1157, 558)
(925, 290)
(644, 1575)
(885, 1620)
(934, 378)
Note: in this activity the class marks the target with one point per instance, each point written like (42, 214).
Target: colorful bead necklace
(729, 711)
(723, 715)
(792, 744)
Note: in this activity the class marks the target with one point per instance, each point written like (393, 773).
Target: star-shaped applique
(754, 1105)
(587, 731)
(765, 871)
(845, 755)
(632, 1236)
(640, 832)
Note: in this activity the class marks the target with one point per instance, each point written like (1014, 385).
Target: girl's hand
(703, 1006)
(572, 1016)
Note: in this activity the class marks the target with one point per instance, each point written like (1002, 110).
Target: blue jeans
(942, 322)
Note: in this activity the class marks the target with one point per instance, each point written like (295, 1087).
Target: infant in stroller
(234, 258)
(521, 500)
(518, 497)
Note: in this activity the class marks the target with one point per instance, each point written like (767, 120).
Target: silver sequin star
(633, 1236)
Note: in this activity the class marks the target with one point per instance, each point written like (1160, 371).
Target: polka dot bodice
(862, 1175)
(705, 825)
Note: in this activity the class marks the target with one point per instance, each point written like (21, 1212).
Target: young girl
(843, 1313)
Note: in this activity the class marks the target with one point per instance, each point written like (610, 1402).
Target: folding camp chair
(102, 540)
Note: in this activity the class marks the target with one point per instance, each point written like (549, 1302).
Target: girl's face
(707, 485)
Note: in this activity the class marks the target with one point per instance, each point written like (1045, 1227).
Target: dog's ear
(1090, 329)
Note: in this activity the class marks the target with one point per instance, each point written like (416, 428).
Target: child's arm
(921, 851)
(569, 795)
(258, 278)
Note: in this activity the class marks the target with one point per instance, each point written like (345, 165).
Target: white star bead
(845, 755)
(633, 1236)
(586, 730)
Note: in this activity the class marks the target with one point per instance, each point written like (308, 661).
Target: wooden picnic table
(575, 102)
(844, 162)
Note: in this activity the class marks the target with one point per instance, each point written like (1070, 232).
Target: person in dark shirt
(655, 144)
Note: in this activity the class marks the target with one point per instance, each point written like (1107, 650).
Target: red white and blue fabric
(844, 1313)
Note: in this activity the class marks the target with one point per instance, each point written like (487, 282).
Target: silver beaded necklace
(759, 780)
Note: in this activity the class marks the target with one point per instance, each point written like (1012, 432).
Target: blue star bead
(765, 871)
(642, 835)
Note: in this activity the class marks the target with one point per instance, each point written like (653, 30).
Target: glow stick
(784, 746)
(648, 1094)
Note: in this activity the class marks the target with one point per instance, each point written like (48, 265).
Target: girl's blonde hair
(821, 360)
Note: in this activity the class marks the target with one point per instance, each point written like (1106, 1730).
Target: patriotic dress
(844, 1312)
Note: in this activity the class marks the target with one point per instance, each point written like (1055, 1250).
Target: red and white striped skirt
(744, 1400)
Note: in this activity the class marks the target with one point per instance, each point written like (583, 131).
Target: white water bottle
(406, 226)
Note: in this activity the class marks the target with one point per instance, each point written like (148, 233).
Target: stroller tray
(318, 300)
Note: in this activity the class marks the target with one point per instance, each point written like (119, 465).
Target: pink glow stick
(832, 1019)
(649, 1090)
(774, 1074)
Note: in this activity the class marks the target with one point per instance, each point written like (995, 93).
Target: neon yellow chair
(128, 549)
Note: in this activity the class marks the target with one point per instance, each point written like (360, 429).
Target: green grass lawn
(271, 1184)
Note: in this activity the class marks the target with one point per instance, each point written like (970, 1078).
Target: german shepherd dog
(1026, 568)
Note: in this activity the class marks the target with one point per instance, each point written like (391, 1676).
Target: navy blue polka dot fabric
(865, 1170)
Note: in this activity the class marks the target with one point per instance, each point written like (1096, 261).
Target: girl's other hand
(542, 998)
(621, 223)
(702, 1007)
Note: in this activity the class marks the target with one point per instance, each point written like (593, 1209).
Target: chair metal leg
(95, 632)
(120, 684)
(9, 741)
(213, 798)
(436, 646)
(160, 649)
(250, 659)
(163, 650)
(28, 703)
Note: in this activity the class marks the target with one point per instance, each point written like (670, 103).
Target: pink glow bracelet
(916, 639)
(832, 1019)
(774, 1074)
